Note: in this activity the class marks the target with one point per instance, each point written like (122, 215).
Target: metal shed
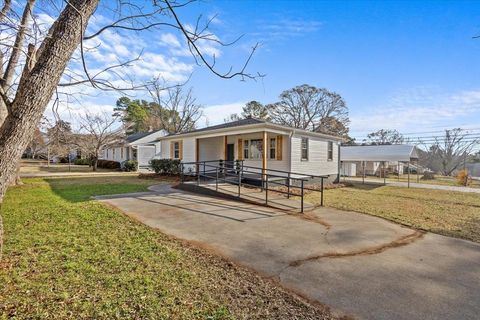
(361, 156)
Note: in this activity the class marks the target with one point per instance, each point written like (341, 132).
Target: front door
(230, 155)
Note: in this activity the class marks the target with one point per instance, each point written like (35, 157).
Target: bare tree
(37, 145)
(60, 139)
(447, 154)
(32, 64)
(384, 136)
(97, 131)
(305, 107)
(232, 117)
(252, 109)
(175, 109)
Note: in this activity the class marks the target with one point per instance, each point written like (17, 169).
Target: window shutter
(240, 149)
(180, 149)
(171, 150)
(279, 147)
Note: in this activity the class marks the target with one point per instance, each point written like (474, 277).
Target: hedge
(108, 164)
(165, 166)
(130, 165)
(82, 162)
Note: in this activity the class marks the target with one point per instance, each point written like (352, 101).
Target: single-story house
(374, 159)
(142, 146)
(258, 143)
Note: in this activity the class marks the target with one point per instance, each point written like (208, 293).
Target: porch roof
(244, 126)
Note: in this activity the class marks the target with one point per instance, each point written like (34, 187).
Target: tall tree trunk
(37, 85)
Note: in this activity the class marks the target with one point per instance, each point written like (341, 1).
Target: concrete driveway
(359, 265)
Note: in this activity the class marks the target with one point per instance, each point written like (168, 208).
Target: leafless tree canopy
(305, 107)
(447, 154)
(175, 109)
(384, 136)
(97, 131)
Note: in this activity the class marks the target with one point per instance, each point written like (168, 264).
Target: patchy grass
(439, 180)
(449, 213)
(69, 257)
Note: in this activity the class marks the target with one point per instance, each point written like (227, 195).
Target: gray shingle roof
(135, 136)
(394, 152)
(238, 123)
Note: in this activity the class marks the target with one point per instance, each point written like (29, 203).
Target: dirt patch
(400, 242)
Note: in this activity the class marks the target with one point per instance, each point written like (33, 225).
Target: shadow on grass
(79, 189)
(365, 186)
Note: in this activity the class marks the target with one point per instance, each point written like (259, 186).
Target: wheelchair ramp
(250, 194)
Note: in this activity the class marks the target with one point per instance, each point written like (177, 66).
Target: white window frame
(306, 148)
(176, 149)
(330, 151)
(246, 149)
(272, 147)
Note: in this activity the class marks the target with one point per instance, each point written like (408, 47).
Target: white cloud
(169, 40)
(419, 109)
(217, 113)
(285, 28)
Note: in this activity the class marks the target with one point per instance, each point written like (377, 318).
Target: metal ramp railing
(237, 173)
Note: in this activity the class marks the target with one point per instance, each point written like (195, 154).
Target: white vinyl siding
(317, 163)
(145, 154)
(211, 149)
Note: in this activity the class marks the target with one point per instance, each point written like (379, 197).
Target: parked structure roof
(393, 152)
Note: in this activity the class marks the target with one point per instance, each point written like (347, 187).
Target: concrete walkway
(358, 264)
(416, 185)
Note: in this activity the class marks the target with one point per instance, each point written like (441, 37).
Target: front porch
(261, 149)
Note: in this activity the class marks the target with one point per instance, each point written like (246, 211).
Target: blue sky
(408, 65)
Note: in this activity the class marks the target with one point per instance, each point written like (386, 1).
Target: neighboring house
(142, 146)
(287, 148)
(473, 169)
(372, 160)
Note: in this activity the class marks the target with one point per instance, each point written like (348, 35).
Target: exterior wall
(115, 154)
(317, 163)
(189, 146)
(211, 149)
(145, 154)
(348, 169)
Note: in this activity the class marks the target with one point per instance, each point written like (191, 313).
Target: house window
(107, 153)
(273, 148)
(304, 147)
(113, 156)
(330, 150)
(128, 153)
(121, 152)
(176, 150)
(256, 149)
(245, 149)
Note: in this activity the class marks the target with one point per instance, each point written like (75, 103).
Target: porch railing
(237, 173)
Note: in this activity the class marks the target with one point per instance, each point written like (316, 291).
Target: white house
(142, 146)
(259, 144)
(372, 159)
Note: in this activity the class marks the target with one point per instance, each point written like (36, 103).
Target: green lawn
(454, 214)
(69, 257)
(439, 180)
